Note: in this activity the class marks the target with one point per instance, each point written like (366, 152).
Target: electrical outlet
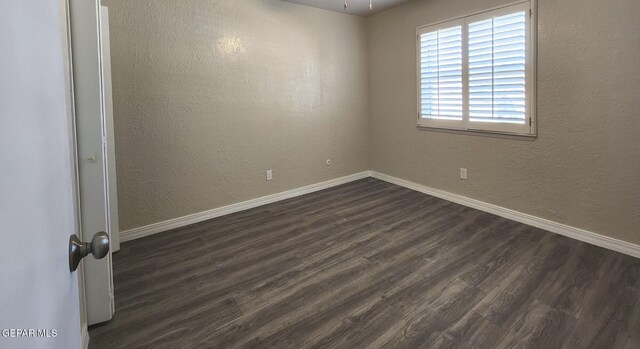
(463, 173)
(269, 175)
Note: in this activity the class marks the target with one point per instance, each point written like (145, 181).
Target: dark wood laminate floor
(369, 265)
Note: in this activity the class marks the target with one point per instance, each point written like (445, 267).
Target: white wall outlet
(269, 175)
(328, 162)
(463, 173)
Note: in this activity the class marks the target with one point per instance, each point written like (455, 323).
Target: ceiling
(356, 7)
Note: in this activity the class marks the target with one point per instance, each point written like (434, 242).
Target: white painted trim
(551, 226)
(179, 222)
(478, 12)
(554, 227)
(85, 337)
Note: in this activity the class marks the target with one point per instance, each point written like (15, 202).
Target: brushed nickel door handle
(98, 247)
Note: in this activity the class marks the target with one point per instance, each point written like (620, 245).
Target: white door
(92, 136)
(37, 198)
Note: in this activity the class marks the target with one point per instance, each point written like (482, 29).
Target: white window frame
(528, 128)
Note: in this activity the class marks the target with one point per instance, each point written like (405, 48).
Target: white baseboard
(85, 337)
(155, 228)
(554, 227)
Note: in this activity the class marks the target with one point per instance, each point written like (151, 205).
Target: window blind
(441, 74)
(497, 58)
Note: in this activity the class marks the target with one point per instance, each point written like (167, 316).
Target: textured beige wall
(209, 94)
(583, 168)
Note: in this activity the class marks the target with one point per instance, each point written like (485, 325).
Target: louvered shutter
(440, 81)
(478, 72)
(497, 69)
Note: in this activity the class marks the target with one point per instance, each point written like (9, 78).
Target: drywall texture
(582, 169)
(208, 95)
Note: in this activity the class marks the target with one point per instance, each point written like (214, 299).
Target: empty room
(320, 174)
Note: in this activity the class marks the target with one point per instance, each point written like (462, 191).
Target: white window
(477, 73)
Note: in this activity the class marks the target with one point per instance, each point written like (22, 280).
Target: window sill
(481, 133)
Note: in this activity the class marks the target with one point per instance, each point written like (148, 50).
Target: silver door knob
(98, 247)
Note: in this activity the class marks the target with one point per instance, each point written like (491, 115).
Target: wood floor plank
(539, 326)
(608, 318)
(509, 298)
(570, 286)
(519, 243)
(425, 322)
(471, 332)
(360, 328)
(369, 265)
(289, 310)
